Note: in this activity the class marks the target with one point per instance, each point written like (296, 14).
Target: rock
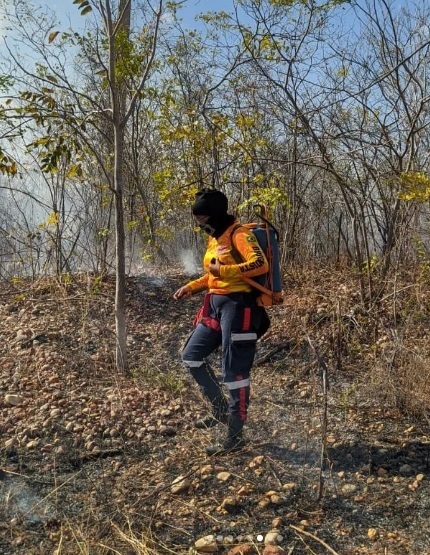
(21, 335)
(289, 486)
(372, 534)
(274, 550)
(207, 544)
(206, 470)
(348, 489)
(244, 549)
(223, 476)
(167, 431)
(256, 461)
(14, 400)
(244, 490)
(229, 503)
(12, 442)
(272, 537)
(276, 499)
(277, 522)
(406, 470)
(180, 484)
(32, 444)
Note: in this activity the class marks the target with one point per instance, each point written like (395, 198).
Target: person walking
(230, 317)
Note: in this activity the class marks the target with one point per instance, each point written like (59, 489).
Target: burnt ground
(88, 456)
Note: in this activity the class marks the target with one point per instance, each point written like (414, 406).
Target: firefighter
(230, 317)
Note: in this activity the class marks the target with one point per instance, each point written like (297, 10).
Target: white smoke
(189, 262)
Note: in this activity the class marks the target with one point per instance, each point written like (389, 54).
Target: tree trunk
(120, 320)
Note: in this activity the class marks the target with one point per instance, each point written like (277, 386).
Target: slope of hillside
(94, 462)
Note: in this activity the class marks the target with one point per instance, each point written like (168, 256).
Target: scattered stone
(223, 476)
(207, 544)
(22, 334)
(272, 537)
(244, 549)
(256, 461)
(12, 442)
(13, 400)
(347, 489)
(276, 499)
(372, 534)
(289, 486)
(167, 431)
(229, 503)
(274, 550)
(32, 444)
(244, 490)
(180, 485)
(206, 470)
(406, 470)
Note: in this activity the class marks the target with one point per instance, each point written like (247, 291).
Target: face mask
(207, 228)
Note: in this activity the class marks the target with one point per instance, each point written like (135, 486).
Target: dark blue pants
(239, 319)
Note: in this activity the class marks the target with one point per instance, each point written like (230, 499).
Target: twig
(309, 535)
(324, 376)
(270, 354)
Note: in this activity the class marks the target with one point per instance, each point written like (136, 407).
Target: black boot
(234, 440)
(219, 414)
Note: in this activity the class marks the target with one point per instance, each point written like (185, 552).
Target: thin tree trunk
(120, 320)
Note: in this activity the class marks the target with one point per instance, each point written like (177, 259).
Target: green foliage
(130, 54)
(415, 186)
(269, 196)
(324, 5)
(6, 82)
(371, 263)
(171, 382)
(96, 285)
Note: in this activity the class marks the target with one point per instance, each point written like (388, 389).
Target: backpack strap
(238, 259)
(234, 252)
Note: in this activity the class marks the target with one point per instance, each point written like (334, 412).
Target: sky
(68, 14)
(67, 11)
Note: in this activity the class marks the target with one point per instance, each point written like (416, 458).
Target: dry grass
(120, 504)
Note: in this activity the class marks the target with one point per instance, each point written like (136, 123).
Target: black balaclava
(213, 203)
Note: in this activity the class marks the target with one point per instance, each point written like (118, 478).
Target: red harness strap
(202, 316)
(246, 325)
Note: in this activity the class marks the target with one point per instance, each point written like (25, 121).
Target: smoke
(189, 262)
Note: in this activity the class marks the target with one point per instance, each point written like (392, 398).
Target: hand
(183, 293)
(214, 267)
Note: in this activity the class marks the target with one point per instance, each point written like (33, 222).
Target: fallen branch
(309, 535)
(270, 354)
(325, 385)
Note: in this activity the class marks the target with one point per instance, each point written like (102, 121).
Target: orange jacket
(231, 273)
